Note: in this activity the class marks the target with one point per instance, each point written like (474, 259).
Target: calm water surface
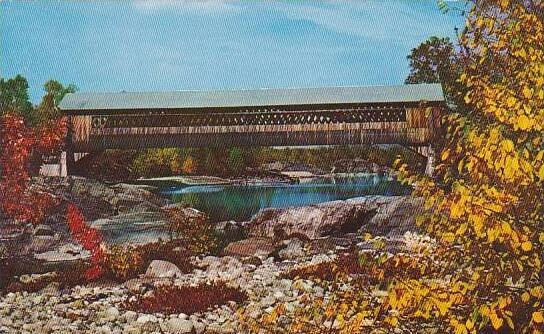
(240, 202)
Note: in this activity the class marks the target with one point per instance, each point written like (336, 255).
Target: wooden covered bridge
(406, 115)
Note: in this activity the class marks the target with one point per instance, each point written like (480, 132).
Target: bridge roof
(81, 101)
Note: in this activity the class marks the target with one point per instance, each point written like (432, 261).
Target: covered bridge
(407, 115)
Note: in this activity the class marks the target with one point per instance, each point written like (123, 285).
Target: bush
(171, 251)
(124, 262)
(192, 228)
(169, 299)
(158, 162)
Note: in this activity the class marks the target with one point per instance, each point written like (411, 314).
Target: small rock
(293, 250)
(180, 326)
(250, 247)
(146, 318)
(43, 230)
(163, 269)
(130, 316)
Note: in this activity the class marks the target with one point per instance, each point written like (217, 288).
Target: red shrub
(89, 238)
(345, 264)
(169, 299)
(17, 143)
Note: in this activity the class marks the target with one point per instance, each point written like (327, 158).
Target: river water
(241, 202)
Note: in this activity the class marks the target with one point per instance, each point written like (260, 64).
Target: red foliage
(171, 299)
(89, 238)
(347, 263)
(16, 145)
(50, 136)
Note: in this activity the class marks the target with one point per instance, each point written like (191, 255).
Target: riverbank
(264, 264)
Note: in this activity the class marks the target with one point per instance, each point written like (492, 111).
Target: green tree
(235, 160)
(14, 98)
(54, 93)
(57, 90)
(435, 61)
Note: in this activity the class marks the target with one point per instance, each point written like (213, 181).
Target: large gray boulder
(377, 214)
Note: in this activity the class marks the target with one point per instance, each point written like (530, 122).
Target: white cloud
(372, 19)
(187, 5)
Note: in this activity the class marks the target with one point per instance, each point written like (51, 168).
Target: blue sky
(200, 44)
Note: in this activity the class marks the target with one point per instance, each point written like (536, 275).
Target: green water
(240, 203)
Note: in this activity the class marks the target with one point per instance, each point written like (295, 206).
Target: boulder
(396, 217)
(250, 247)
(294, 249)
(162, 269)
(310, 222)
(43, 230)
(381, 215)
(66, 253)
(41, 244)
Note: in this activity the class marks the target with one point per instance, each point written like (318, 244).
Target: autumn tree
(189, 165)
(485, 205)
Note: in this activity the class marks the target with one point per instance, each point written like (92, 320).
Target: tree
(14, 98)
(235, 160)
(189, 165)
(57, 90)
(485, 204)
(54, 93)
(435, 61)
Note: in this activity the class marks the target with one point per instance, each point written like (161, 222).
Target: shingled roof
(251, 98)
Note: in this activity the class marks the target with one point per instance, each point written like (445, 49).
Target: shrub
(16, 144)
(124, 262)
(158, 162)
(328, 270)
(189, 165)
(89, 238)
(235, 161)
(172, 251)
(170, 299)
(192, 228)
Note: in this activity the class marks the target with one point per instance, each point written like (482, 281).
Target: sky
(165, 45)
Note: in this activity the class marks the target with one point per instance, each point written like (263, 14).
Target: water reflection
(242, 202)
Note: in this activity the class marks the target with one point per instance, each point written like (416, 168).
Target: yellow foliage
(486, 202)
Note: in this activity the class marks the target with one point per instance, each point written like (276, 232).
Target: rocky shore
(278, 241)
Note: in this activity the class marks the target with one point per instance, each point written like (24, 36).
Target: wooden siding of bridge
(407, 126)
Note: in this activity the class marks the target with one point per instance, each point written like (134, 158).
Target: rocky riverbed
(278, 240)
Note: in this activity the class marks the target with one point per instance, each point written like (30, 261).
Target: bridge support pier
(429, 167)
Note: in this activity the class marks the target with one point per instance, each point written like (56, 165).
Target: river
(241, 202)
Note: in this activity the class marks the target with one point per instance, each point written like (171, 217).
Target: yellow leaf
(526, 246)
(511, 101)
(448, 237)
(525, 297)
(527, 92)
(537, 292)
(541, 172)
(524, 122)
(445, 155)
(496, 322)
(538, 317)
